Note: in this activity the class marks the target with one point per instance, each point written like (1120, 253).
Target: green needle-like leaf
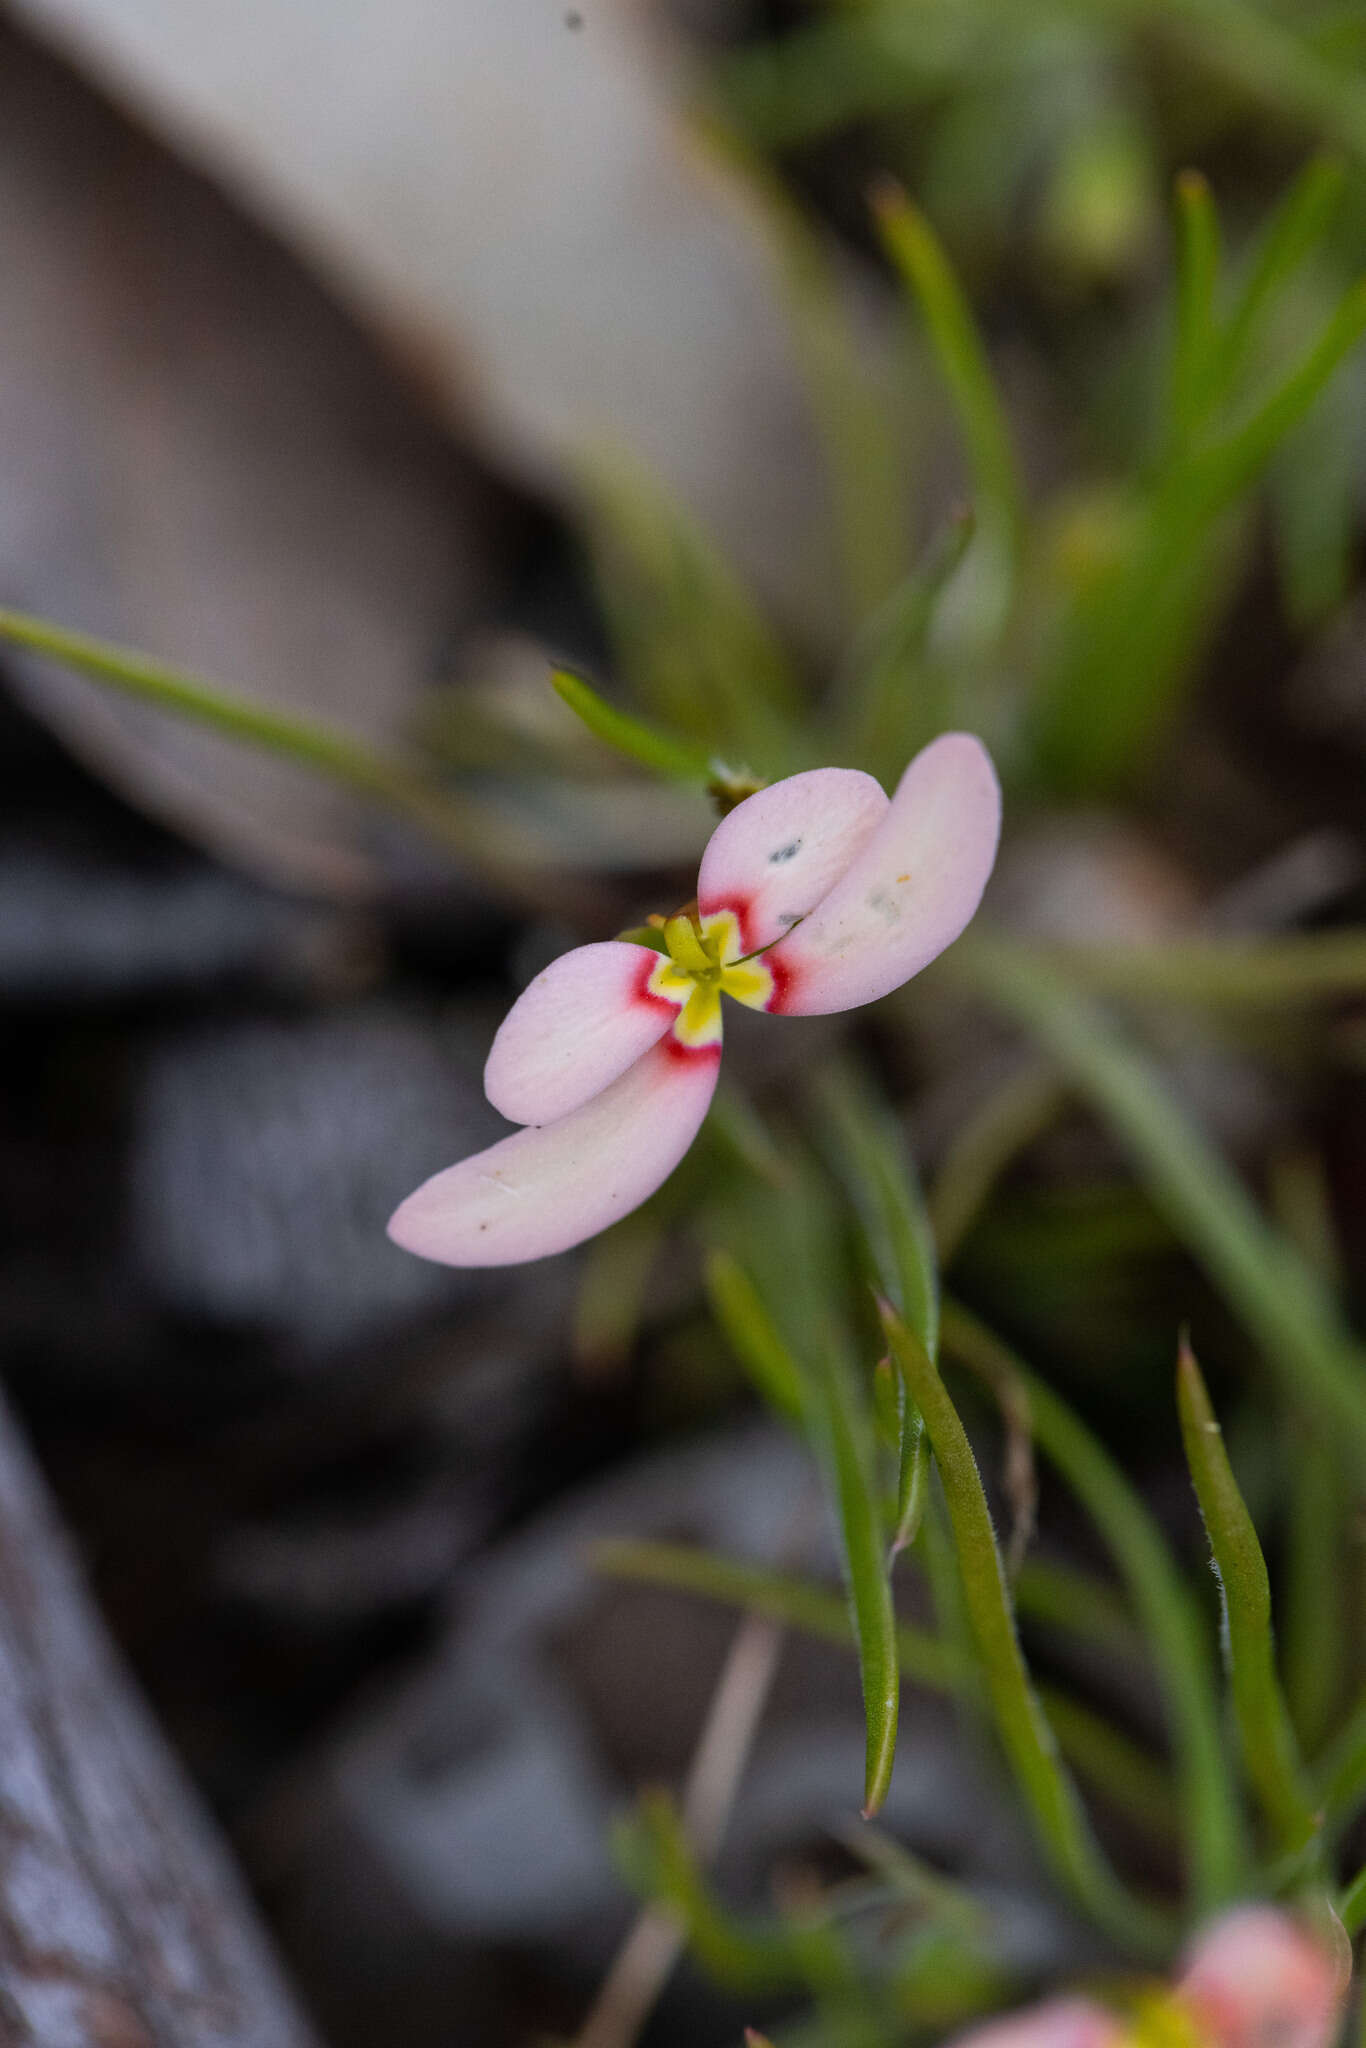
(657, 1858)
(1302, 967)
(1212, 480)
(862, 1137)
(1197, 274)
(1262, 1275)
(1296, 227)
(738, 1584)
(326, 748)
(633, 737)
(923, 1659)
(1270, 1752)
(1209, 1809)
(1024, 1732)
(1130, 1779)
(1352, 1905)
(849, 1452)
(919, 257)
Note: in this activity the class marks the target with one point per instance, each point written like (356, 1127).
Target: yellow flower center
(702, 963)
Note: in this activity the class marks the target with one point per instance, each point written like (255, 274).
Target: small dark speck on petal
(573, 19)
(782, 853)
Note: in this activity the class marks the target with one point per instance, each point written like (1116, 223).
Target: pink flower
(1060, 2023)
(1255, 1978)
(817, 894)
(1258, 1979)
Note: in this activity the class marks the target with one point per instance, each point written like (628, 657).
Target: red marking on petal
(674, 1049)
(740, 908)
(649, 996)
(784, 981)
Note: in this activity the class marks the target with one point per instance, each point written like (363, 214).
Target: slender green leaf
(1213, 1847)
(1270, 1752)
(1000, 506)
(332, 752)
(1296, 227)
(862, 1135)
(1264, 1279)
(1024, 1732)
(688, 636)
(1352, 1905)
(1306, 967)
(915, 1881)
(889, 1394)
(925, 1660)
(1197, 274)
(753, 1337)
(913, 1472)
(850, 1455)
(919, 257)
(658, 1860)
(736, 1583)
(1313, 503)
(630, 736)
(1211, 480)
(1132, 641)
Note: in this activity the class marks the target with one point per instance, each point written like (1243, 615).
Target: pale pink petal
(585, 1019)
(543, 1190)
(908, 893)
(1258, 1979)
(1061, 2023)
(773, 857)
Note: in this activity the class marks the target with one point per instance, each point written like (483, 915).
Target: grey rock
(75, 926)
(269, 1156)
